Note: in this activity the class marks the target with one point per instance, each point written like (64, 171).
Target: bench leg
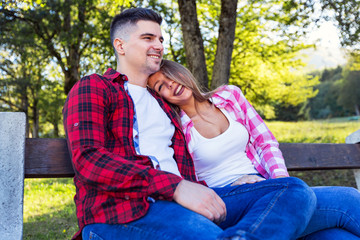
(12, 149)
(355, 138)
(357, 178)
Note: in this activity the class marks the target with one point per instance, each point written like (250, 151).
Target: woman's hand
(248, 179)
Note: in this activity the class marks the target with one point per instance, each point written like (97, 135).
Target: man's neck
(134, 77)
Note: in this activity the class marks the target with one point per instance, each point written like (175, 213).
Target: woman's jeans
(272, 209)
(337, 207)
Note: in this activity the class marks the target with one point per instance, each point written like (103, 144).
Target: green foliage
(52, 99)
(349, 96)
(325, 105)
(73, 38)
(75, 34)
(339, 91)
(264, 62)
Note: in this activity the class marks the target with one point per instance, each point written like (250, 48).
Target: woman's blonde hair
(180, 74)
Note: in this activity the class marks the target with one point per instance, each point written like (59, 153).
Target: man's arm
(86, 121)
(200, 199)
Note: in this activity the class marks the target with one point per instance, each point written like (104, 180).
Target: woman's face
(170, 90)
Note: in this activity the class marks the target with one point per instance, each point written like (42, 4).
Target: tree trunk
(35, 118)
(72, 74)
(225, 43)
(56, 129)
(24, 108)
(193, 42)
(357, 111)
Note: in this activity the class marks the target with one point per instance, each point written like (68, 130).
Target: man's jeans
(271, 209)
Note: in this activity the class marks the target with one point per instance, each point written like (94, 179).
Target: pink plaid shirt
(262, 149)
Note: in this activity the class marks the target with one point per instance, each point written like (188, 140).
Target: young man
(134, 177)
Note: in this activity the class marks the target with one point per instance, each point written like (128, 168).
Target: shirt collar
(114, 75)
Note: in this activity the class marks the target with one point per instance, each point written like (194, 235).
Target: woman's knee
(301, 194)
(299, 188)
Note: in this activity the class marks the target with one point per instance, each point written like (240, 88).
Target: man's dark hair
(132, 16)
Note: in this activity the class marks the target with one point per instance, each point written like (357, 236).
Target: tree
(250, 40)
(194, 46)
(347, 15)
(350, 87)
(52, 99)
(193, 42)
(64, 30)
(225, 43)
(22, 84)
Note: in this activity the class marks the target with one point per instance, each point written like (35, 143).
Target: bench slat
(47, 157)
(320, 156)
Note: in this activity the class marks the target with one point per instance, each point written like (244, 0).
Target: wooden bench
(46, 157)
(49, 158)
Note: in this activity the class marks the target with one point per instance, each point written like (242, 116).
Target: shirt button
(127, 197)
(157, 167)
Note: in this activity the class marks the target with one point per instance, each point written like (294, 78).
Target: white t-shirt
(221, 160)
(155, 130)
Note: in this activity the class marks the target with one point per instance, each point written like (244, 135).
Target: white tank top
(155, 130)
(221, 160)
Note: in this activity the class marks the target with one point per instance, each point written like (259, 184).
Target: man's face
(143, 50)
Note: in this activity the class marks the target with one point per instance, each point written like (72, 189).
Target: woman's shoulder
(226, 90)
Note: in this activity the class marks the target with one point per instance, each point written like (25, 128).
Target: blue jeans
(261, 210)
(165, 220)
(331, 234)
(337, 207)
(254, 211)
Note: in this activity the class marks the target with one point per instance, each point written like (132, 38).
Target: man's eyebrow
(152, 35)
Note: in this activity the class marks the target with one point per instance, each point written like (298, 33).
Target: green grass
(49, 210)
(313, 131)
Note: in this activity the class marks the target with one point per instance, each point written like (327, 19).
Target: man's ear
(119, 46)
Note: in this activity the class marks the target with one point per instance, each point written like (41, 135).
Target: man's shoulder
(108, 76)
(105, 80)
(94, 77)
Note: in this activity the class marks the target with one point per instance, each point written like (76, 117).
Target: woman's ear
(119, 46)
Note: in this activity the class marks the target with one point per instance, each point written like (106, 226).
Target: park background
(304, 88)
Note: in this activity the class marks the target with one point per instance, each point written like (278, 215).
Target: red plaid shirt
(112, 182)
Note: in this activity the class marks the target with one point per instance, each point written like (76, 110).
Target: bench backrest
(46, 157)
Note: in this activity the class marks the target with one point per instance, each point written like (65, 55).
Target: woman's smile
(179, 90)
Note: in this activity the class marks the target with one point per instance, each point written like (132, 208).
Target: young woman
(231, 145)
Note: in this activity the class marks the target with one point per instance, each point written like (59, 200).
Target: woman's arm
(261, 138)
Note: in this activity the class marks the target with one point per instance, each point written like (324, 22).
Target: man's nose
(158, 45)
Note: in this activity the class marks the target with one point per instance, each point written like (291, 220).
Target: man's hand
(200, 199)
(247, 179)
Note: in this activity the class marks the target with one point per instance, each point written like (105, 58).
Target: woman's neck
(196, 108)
